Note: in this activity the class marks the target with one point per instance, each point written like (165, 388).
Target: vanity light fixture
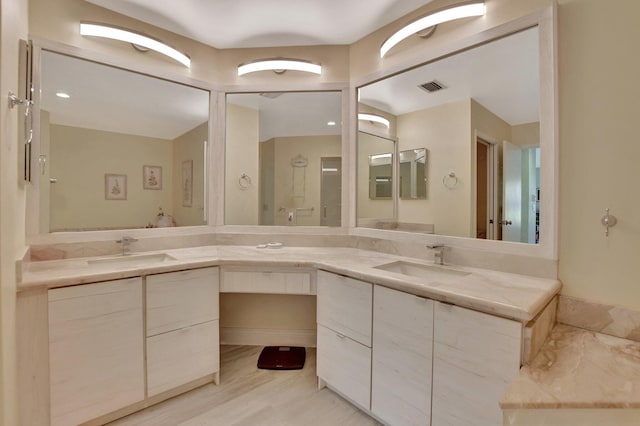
(379, 156)
(139, 41)
(461, 10)
(279, 66)
(374, 118)
(63, 95)
(331, 123)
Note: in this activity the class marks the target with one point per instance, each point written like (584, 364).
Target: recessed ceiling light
(63, 95)
(331, 123)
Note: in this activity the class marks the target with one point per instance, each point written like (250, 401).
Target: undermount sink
(140, 259)
(421, 271)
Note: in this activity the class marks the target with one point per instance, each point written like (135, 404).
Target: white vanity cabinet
(182, 328)
(475, 357)
(96, 349)
(278, 280)
(402, 357)
(344, 336)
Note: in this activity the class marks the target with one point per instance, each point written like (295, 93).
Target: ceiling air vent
(432, 86)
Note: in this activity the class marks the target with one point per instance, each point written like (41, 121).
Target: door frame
(492, 182)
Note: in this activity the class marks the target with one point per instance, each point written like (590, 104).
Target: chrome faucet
(126, 244)
(438, 254)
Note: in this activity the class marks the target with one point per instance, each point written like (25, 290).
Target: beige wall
(599, 149)
(13, 26)
(241, 205)
(444, 132)
(190, 146)
(526, 135)
(79, 160)
(312, 148)
(267, 311)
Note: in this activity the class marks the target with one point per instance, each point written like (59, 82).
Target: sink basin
(422, 271)
(141, 259)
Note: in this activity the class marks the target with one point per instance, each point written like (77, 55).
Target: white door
(512, 192)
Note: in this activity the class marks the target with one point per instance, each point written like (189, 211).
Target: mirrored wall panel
(375, 180)
(475, 115)
(118, 149)
(283, 161)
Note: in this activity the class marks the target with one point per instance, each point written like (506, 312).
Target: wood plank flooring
(248, 396)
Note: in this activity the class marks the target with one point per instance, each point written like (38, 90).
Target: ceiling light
(464, 10)
(374, 118)
(279, 66)
(331, 123)
(136, 39)
(63, 95)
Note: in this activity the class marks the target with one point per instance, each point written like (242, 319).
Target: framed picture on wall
(152, 177)
(115, 187)
(187, 183)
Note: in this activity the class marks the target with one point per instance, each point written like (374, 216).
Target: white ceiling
(264, 23)
(294, 113)
(114, 100)
(501, 75)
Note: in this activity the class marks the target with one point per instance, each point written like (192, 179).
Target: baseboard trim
(267, 337)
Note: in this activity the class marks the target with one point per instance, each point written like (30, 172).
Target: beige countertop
(579, 369)
(514, 296)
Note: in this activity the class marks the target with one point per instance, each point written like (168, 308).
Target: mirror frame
(33, 234)
(545, 20)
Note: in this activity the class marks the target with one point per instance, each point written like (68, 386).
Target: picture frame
(115, 186)
(152, 177)
(187, 183)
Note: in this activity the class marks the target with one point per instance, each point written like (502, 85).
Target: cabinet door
(345, 365)
(95, 349)
(475, 357)
(181, 299)
(402, 357)
(344, 305)
(274, 282)
(182, 356)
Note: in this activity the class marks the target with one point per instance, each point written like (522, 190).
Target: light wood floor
(249, 396)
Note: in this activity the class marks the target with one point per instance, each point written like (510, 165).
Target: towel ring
(450, 181)
(244, 181)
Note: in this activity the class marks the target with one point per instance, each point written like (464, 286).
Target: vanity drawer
(182, 356)
(345, 306)
(271, 281)
(345, 365)
(179, 299)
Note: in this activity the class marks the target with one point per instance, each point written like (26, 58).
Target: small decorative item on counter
(164, 220)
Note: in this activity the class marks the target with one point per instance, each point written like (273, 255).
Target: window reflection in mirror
(283, 159)
(119, 149)
(481, 125)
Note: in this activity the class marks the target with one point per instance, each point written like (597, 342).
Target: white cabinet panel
(402, 357)
(180, 299)
(96, 349)
(476, 356)
(345, 365)
(181, 356)
(345, 306)
(276, 282)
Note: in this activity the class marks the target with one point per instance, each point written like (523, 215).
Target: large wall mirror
(118, 149)
(283, 159)
(477, 115)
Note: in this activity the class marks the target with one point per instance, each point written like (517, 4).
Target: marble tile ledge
(513, 296)
(577, 369)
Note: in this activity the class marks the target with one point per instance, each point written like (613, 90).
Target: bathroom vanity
(397, 343)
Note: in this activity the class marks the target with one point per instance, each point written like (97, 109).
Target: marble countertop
(514, 296)
(577, 368)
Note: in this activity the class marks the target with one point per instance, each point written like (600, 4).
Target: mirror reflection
(283, 159)
(477, 115)
(375, 160)
(119, 149)
(413, 167)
